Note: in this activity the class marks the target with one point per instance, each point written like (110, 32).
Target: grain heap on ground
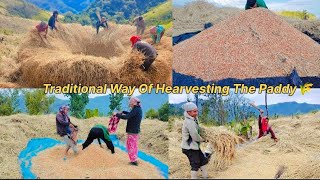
(94, 162)
(256, 43)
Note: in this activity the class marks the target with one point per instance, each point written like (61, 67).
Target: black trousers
(97, 133)
(196, 158)
(147, 63)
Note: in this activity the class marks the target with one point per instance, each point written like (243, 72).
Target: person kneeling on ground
(64, 129)
(191, 141)
(42, 29)
(156, 33)
(103, 23)
(264, 127)
(149, 52)
(255, 3)
(99, 132)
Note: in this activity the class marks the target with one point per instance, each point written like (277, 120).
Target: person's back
(145, 48)
(255, 3)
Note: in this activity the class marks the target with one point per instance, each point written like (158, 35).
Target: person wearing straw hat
(99, 131)
(140, 24)
(42, 28)
(156, 33)
(191, 141)
(255, 4)
(149, 52)
(52, 21)
(64, 129)
(133, 118)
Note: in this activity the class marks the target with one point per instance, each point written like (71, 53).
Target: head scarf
(134, 39)
(189, 106)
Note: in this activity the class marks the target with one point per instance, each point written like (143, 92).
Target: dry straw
(76, 54)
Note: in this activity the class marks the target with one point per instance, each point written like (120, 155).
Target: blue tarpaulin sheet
(36, 145)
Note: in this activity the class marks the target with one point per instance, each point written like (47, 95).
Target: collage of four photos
(259, 61)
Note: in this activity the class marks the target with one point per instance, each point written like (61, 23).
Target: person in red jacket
(264, 127)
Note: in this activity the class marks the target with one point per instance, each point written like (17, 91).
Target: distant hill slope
(63, 6)
(22, 9)
(120, 11)
(282, 109)
(161, 14)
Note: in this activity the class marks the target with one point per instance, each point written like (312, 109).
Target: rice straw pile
(224, 145)
(76, 54)
(255, 43)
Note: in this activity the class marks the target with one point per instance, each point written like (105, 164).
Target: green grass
(161, 14)
(7, 32)
(298, 15)
(42, 16)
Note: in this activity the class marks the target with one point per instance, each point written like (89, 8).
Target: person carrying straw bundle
(191, 141)
(149, 52)
(133, 118)
(67, 130)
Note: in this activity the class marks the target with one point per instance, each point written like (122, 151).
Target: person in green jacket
(99, 132)
(255, 3)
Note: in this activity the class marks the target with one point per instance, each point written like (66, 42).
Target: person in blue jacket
(52, 21)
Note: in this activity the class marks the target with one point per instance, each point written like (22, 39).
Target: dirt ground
(296, 155)
(17, 130)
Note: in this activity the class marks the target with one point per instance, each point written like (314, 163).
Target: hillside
(22, 9)
(17, 130)
(296, 155)
(281, 109)
(62, 6)
(161, 14)
(120, 11)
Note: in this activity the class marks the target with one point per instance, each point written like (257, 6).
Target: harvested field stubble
(297, 152)
(256, 43)
(76, 54)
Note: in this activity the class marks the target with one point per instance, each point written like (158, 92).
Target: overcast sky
(312, 97)
(312, 6)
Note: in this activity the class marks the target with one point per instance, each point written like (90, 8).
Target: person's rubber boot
(204, 172)
(194, 174)
(135, 163)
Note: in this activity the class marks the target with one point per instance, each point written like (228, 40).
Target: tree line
(38, 103)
